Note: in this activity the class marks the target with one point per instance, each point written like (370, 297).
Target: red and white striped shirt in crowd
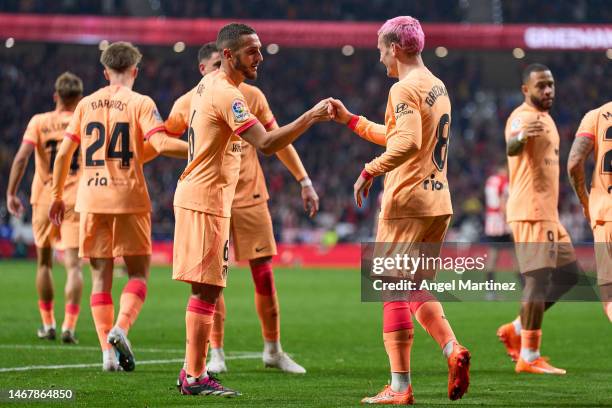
(496, 194)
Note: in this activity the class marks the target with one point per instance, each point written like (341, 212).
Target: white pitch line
(64, 366)
(234, 356)
(69, 347)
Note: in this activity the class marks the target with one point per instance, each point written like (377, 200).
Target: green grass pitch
(324, 326)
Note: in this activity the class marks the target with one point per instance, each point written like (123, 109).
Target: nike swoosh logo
(260, 249)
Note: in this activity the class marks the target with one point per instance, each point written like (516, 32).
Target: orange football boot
(389, 397)
(458, 372)
(538, 366)
(510, 340)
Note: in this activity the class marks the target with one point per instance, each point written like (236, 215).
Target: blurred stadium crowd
(293, 80)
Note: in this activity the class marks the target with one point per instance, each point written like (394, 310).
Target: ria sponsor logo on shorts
(433, 185)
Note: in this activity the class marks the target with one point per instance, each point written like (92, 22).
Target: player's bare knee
(71, 259)
(101, 274)
(100, 284)
(260, 261)
(44, 257)
(138, 266)
(43, 271)
(205, 292)
(566, 275)
(74, 275)
(536, 285)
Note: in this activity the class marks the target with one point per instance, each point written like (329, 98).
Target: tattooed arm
(581, 148)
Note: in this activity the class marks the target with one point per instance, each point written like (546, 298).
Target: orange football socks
(398, 333)
(71, 315)
(430, 314)
(46, 313)
(530, 344)
(130, 304)
(103, 313)
(266, 301)
(198, 322)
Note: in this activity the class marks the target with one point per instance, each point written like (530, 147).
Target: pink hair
(406, 31)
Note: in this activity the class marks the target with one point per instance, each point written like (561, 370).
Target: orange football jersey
(251, 188)
(418, 113)
(111, 125)
(533, 190)
(597, 125)
(218, 114)
(46, 131)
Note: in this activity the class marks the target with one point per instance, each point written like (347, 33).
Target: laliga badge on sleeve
(240, 111)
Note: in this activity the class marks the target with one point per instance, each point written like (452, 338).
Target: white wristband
(306, 182)
(521, 137)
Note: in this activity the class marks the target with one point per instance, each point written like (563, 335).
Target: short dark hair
(119, 56)
(229, 35)
(533, 68)
(207, 50)
(69, 88)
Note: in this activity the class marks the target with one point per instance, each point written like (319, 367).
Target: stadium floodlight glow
(9, 42)
(348, 50)
(441, 52)
(103, 45)
(179, 46)
(272, 49)
(609, 53)
(518, 53)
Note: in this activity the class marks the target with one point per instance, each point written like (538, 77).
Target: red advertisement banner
(299, 34)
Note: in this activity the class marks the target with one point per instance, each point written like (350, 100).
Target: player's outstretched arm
(399, 149)
(61, 167)
(148, 153)
(581, 148)
(516, 143)
(167, 146)
(405, 143)
(271, 142)
(20, 163)
(366, 129)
